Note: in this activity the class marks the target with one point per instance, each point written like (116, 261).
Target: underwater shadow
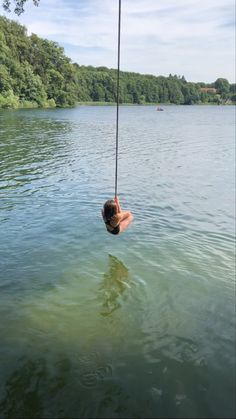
(115, 282)
(51, 389)
(22, 395)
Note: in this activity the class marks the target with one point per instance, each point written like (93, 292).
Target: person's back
(115, 219)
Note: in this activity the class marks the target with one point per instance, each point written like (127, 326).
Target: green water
(136, 326)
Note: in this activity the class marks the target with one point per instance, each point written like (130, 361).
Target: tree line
(35, 72)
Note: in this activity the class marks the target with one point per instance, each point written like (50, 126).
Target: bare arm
(117, 201)
(123, 215)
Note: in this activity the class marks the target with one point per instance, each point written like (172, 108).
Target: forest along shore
(35, 72)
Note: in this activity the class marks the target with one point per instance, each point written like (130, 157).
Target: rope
(118, 97)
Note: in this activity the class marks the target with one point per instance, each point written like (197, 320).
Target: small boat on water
(160, 109)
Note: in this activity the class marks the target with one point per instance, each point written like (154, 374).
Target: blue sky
(195, 38)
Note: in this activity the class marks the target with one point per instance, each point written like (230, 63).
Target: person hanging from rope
(115, 219)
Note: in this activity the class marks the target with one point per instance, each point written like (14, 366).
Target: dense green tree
(5, 79)
(191, 93)
(222, 85)
(32, 87)
(36, 70)
(175, 92)
(8, 100)
(233, 88)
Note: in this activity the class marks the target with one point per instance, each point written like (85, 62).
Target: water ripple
(156, 318)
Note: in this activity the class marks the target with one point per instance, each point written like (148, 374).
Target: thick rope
(118, 97)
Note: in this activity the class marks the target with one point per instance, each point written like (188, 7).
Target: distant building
(208, 90)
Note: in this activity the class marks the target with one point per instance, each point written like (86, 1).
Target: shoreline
(150, 104)
(113, 104)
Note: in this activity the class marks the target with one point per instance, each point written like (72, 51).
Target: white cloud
(190, 37)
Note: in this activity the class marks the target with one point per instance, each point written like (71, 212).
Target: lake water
(135, 326)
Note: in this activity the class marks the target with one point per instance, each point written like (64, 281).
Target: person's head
(110, 209)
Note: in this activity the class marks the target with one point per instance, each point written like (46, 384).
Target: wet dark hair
(110, 209)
